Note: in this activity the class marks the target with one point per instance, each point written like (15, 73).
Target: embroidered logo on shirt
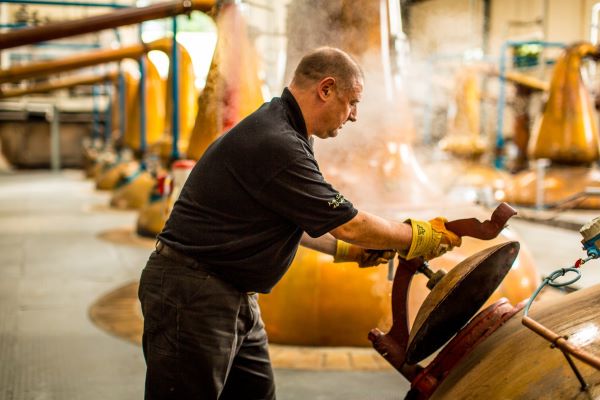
(337, 201)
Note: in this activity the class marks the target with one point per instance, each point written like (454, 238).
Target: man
(250, 200)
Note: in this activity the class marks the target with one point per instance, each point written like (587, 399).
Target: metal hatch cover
(457, 297)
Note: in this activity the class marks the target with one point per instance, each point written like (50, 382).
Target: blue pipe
(95, 116)
(45, 56)
(26, 57)
(75, 46)
(117, 35)
(122, 113)
(108, 116)
(499, 160)
(121, 95)
(14, 26)
(65, 3)
(175, 92)
(142, 91)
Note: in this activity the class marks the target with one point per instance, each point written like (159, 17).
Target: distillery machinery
(564, 143)
(145, 102)
(549, 352)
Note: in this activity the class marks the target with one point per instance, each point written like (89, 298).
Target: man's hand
(346, 252)
(430, 239)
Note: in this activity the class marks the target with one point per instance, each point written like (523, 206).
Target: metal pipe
(54, 116)
(528, 81)
(70, 46)
(56, 85)
(498, 160)
(487, 17)
(540, 175)
(562, 343)
(142, 99)
(16, 74)
(485, 48)
(65, 3)
(594, 32)
(122, 107)
(108, 116)
(114, 19)
(95, 114)
(545, 9)
(595, 29)
(582, 382)
(17, 25)
(142, 104)
(175, 92)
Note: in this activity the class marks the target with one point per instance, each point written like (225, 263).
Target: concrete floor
(53, 265)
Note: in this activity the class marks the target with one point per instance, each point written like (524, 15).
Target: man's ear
(326, 88)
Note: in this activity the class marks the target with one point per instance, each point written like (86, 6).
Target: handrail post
(122, 106)
(175, 92)
(53, 115)
(95, 115)
(498, 160)
(108, 116)
(142, 103)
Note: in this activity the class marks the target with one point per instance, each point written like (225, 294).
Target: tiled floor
(55, 262)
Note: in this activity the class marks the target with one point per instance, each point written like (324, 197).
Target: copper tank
(188, 106)
(463, 138)
(568, 130)
(132, 186)
(133, 191)
(231, 93)
(155, 107)
(516, 363)
(233, 88)
(567, 135)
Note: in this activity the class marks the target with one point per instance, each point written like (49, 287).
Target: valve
(591, 237)
(434, 277)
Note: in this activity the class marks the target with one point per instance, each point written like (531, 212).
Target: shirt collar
(294, 112)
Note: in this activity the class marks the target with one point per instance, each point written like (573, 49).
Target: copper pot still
(564, 141)
(519, 364)
(534, 357)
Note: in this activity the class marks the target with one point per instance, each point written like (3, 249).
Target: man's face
(341, 108)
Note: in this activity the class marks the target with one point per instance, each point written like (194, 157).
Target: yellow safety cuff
(424, 239)
(342, 250)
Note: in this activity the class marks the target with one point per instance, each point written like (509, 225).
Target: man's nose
(353, 114)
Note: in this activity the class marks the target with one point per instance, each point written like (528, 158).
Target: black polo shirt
(247, 201)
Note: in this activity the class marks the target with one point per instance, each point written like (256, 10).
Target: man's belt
(169, 252)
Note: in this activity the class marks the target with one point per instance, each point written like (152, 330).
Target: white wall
(446, 26)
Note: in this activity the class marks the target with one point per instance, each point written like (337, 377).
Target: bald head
(327, 62)
(327, 86)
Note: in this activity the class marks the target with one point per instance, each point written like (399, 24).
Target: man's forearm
(373, 232)
(325, 244)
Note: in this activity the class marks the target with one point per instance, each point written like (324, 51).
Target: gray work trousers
(203, 339)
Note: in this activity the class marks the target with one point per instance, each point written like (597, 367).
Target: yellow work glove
(430, 239)
(346, 252)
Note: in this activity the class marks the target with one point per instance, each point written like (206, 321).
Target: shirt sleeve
(300, 193)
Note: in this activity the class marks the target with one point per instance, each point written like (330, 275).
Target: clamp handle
(485, 230)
